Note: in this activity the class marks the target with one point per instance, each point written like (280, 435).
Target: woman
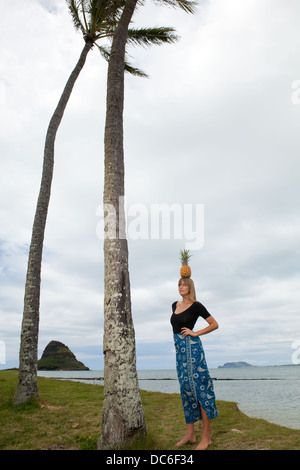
(196, 386)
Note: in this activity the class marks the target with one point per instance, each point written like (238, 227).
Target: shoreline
(67, 416)
(256, 390)
(150, 378)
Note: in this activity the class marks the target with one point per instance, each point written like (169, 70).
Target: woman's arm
(212, 325)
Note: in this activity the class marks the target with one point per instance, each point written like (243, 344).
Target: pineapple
(185, 270)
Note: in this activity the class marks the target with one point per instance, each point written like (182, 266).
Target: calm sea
(271, 393)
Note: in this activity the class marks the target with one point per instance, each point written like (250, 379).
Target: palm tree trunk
(27, 385)
(122, 415)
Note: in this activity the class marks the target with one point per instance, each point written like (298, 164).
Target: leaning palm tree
(122, 415)
(95, 19)
(92, 28)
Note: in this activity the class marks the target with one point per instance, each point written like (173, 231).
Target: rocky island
(233, 365)
(57, 356)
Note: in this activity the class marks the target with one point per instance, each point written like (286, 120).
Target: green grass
(67, 415)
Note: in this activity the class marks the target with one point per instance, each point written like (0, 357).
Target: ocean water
(271, 393)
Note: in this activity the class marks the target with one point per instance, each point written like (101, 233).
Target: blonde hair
(190, 283)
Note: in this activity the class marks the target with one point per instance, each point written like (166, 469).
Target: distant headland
(235, 365)
(57, 356)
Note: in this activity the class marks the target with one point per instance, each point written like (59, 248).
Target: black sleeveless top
(188, 317)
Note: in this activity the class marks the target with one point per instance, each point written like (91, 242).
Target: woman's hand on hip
(187, 331)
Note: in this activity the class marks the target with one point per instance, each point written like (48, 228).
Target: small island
(57, 356)
(234, 365)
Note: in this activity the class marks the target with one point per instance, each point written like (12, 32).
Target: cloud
(215, 124)
(49, 5)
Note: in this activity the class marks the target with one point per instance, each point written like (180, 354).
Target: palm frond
(83, 9)
(105, 14)
(189, 6)
(97, 19)
(105, 52)
(149, 36)
(135, 71)
(74, 8)
(95, 16)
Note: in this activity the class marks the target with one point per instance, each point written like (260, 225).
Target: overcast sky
(216, 126)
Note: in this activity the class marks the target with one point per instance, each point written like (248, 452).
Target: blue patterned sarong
(196, 386)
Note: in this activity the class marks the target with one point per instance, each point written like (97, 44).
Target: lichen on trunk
(122, 415)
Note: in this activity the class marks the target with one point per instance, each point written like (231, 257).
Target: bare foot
(185, 440)
(203, 444)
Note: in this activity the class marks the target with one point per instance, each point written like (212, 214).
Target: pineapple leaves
(185, 256)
